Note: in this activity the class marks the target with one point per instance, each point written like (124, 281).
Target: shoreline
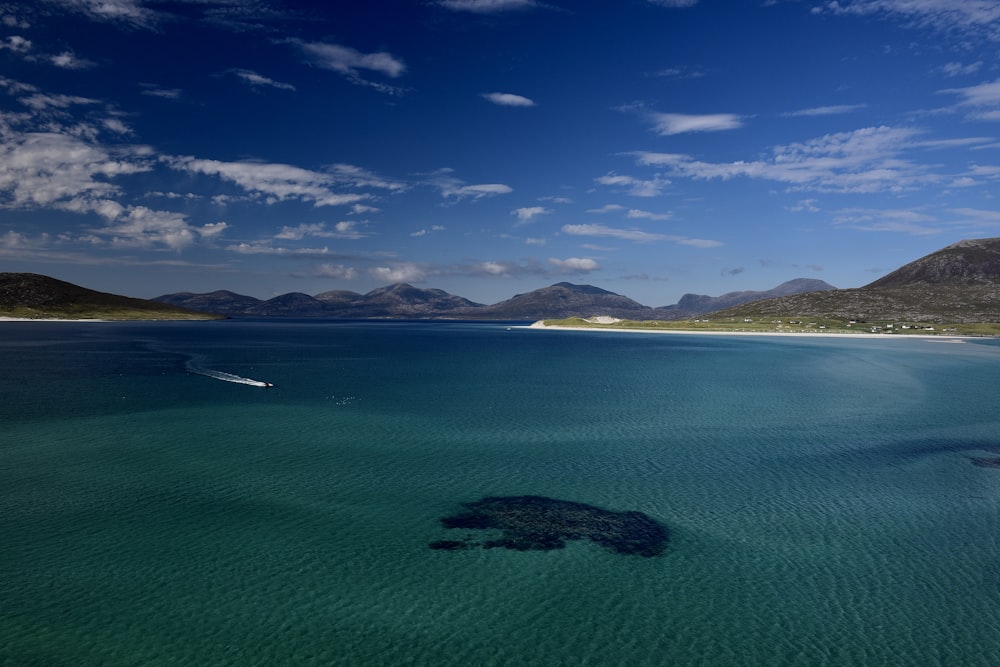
(953, 338)
(48, 319)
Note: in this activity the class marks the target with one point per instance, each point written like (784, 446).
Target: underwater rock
(985, 462)
(531, 523)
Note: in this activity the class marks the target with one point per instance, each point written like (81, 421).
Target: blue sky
(492, 147)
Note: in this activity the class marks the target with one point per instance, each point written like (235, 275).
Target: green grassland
(814, 325)
(73, 312)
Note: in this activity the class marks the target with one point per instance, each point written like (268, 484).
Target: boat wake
(225, 377)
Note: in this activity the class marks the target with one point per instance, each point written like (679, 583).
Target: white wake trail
(192, 367)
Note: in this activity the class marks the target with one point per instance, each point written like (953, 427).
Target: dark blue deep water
(826, 498)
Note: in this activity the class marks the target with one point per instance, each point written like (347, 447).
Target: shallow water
(820, 494)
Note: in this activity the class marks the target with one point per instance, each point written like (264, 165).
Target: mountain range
(402, 300)
(959, 283)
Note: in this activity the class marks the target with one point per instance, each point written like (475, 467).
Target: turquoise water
(820, 493)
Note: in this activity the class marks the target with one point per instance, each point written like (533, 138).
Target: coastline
(781, 334)
(48, 319)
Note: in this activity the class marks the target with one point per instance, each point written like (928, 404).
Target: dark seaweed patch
(537, 523)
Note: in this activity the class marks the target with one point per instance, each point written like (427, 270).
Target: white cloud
(255, 79)
(985, 98)
(826, 111)
(528, 213)
(575, 264)
(347, 61)
(346, 229)
(15, 43)
(67, 60)
(128, 12)
(348, 174)
(635, 235)
(41, 169)
(889, 220)
(976, 17)
(41, 101)
(607, 208)
(143, 227)
(509, 100)
(636, 214)
(865, 160)
(267, 249)
(452, 187)
(274, 181)
(336, 271)
(425, 231)
(635, 186)
(958, 69)
(399, 273)
(614, 232)
(667, 124)
(152, 90)
(486, 6)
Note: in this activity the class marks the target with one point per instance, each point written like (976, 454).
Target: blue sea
(829, 501)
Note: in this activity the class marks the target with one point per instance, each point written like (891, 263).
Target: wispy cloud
(254, 79)
(425, 231)
(826, 111)
(152, 90)
(607, 208)
(274, 182)
(636, 187)
(347, 229)
(889, 220)
(529, 213)
(667, 124)
(452, 187)
(984, 99)
(674, 3)
(349, 62)
(636, 235)
(680, 72)
(637, 214)
(487, 6)
(979, 17)
(958, 69)
(509, 100)
(862, 161)
(69, 60)
(128, 13)
(575, 264)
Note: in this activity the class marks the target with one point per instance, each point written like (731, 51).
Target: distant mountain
(959, 283)
(222, 302)
(564, 300)
(36, 296)
(406, 301)
(393, 301)
(697, 304)
(403, 300)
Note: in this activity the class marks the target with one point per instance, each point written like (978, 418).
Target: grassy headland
(793, 325)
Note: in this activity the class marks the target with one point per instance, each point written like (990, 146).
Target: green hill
(30, 295)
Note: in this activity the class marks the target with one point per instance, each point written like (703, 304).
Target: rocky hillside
(564, 300)
(35, 296)
(959, 283)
